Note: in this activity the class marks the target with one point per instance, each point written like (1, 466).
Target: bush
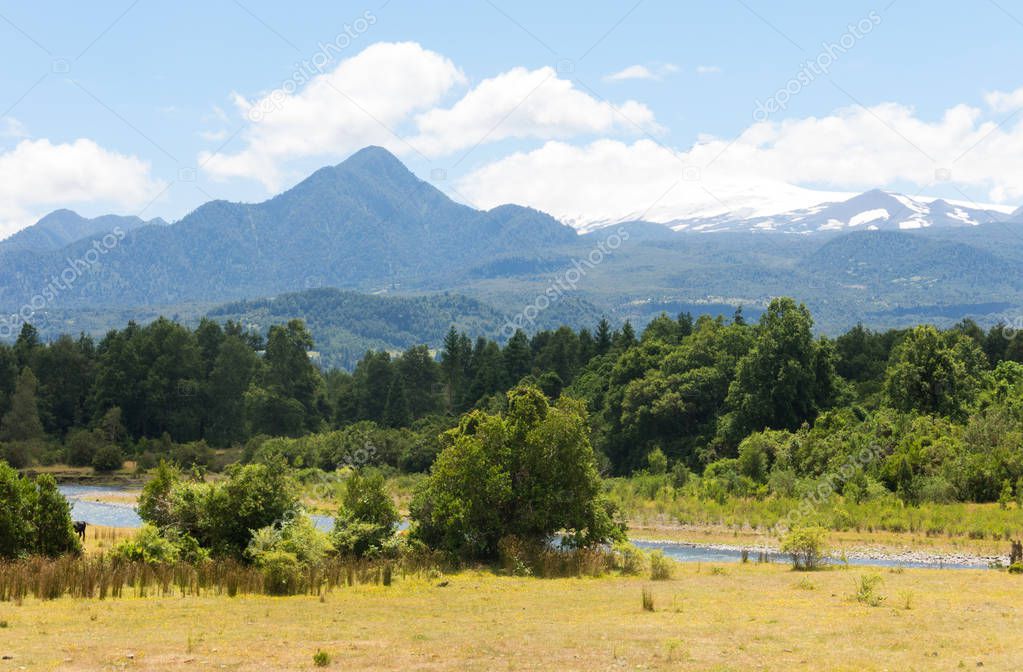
(866, 590)
(367, 516)
(298, 536)
(807, 547)
(280, 572)
(661, 567)
(628, 559)
(321, 658)
(108, 458)
(80, 447)
(147, 546)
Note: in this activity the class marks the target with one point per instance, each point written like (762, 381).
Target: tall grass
(103, 578)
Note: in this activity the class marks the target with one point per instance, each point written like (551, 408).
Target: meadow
(736, 617)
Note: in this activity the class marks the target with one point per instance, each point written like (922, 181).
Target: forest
(751, 408)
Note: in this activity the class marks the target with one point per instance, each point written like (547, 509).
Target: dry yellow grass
(746, 617)
(99, 539)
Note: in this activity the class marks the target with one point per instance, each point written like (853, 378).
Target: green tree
(529, 473)
(55, 535)
(784, 379)
(21, 422)
(234, 369)
(935, 372)
(367, 515)
(17, 502)
(108, 458)
(518, 357)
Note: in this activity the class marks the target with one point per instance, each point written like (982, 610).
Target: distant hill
(346, 324)
(60, 228)
(367, 223)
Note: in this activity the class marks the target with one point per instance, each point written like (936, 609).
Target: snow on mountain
(873, 211)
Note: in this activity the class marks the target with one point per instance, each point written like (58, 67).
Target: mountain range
(870, 211)
(60, 228)
(368, 226)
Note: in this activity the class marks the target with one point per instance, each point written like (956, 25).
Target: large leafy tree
(785, 379)
(935, 371)
(529, 472)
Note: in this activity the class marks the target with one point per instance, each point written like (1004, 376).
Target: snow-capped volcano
(872, 211)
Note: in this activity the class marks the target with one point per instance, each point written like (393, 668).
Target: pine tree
(396, 411)
(603, 336)
(518, 357)
(22, 423)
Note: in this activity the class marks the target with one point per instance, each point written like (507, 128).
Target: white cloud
(851, 149)
(355, 105)
(12, 128)
(1003, 102)
(523, 103)
(631, 72)
(213, 136)
(609, 180)
(37, 176)
(707, 69)
(399, 87)
(642, 72)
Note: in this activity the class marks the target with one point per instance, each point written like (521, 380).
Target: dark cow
(80, 526)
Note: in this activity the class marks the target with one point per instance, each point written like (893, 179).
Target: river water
(124, 515)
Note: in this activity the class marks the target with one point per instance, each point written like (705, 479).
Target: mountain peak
(374, 157)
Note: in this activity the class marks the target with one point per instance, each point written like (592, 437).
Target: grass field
(736, 617)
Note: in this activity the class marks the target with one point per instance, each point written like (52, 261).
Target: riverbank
(889, 547)
(735, 617)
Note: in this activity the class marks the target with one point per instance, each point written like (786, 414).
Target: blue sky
(142, 106)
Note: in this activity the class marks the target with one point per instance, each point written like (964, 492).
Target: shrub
(81, 446)
(221, 516)
(107, 458)
(321, 658)
(866, 590)
(298, 537)
(661, 568)
(280, 572)
(656, 461)
(807, 547)
(367, 516)
(147, 546)
(628, 559)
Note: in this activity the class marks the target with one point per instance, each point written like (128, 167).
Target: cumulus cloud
(525, 103)
(851, 149)
(393, 89)
(37, 176)
(335, 113)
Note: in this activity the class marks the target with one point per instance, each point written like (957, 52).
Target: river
(124, 515)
